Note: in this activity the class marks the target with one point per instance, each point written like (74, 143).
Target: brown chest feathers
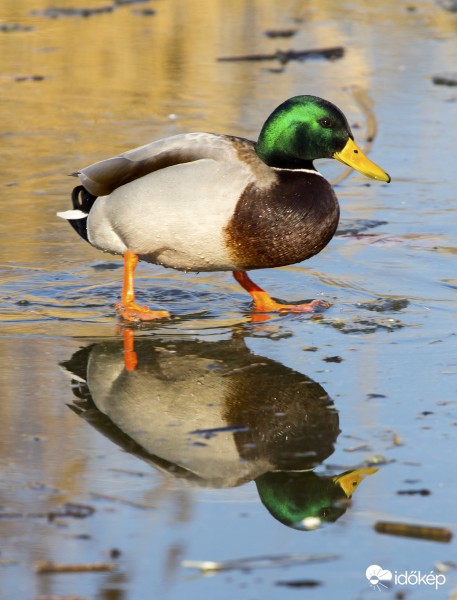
(292, 220)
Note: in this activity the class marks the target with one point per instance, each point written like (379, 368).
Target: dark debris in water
(107, 266)
(127, 2)
(421, 492)
(356, 226)
(280, 33)
(284, 56)
(299, 583)
(72, 509)
(333, 359)
(69, 510)
(21, 78)
(451, 283)
(274, 70)
(371, 323)
(385, 304)
(145, 12)
(424, 532)
(359, 325)
(210, 433)
(55, 12)
(449, 79)
(9, 27)
(49, 566)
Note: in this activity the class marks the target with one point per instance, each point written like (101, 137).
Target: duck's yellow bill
(349, 480)
(352, 156)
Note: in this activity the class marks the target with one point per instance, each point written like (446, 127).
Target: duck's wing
(101, 178)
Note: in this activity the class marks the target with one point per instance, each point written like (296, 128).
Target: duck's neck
(284, 147)
(280, 160)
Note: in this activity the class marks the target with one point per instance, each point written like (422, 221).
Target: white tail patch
(70, 215)
(70, 375)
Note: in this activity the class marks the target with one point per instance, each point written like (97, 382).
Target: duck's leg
(127, 307)
(264, 303)
(130, 357)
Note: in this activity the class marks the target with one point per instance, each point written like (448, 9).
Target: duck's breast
(287, 222)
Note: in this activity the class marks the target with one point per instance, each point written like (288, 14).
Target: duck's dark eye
(325, 123)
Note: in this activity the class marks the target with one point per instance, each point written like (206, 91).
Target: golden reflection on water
(119, 67)
(116, 80)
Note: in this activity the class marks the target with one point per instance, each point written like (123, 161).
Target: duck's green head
(305, 128)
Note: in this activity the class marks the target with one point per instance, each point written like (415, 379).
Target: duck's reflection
(218, 416)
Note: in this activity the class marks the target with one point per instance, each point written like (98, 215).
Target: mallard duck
(208, 202)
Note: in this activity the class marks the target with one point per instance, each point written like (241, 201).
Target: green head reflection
(294, 498)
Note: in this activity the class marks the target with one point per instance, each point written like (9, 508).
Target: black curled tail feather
(82, 200)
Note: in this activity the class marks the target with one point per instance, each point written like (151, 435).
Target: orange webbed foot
(132, 312)
(263, 303)
(307, 307)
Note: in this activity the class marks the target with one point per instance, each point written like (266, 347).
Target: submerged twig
(423, 532)
(52, 567)
(122, 501)
(210, 433)
(256, 562)
(284, 56)
(70, 509)
(128, 472)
